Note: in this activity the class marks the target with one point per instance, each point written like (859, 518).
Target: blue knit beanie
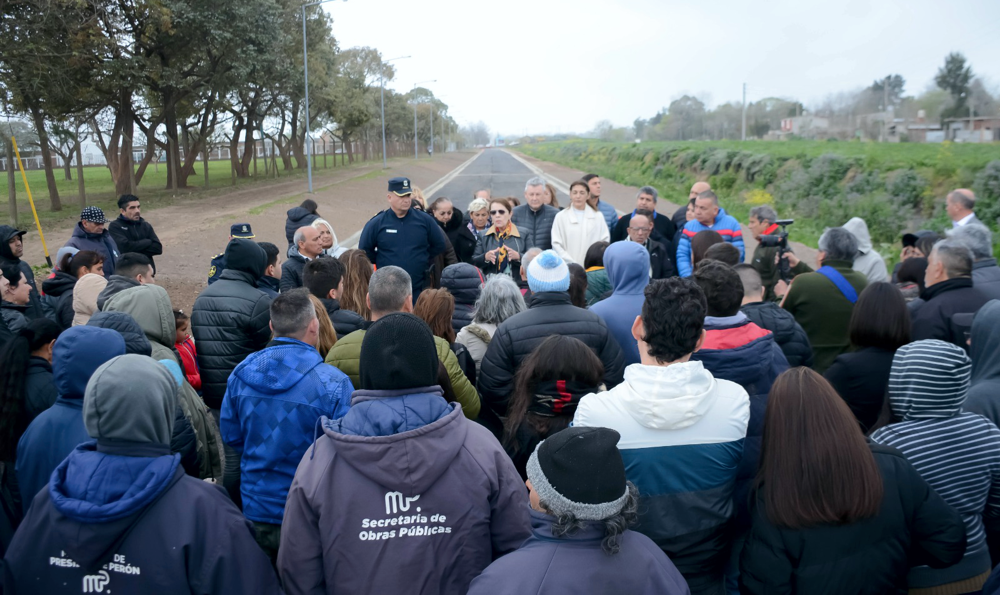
(548, 272)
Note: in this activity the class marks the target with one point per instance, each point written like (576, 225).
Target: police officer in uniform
(403, 237)
(236, 230)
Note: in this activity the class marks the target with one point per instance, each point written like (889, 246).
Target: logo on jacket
(395, 502)
(95, 583)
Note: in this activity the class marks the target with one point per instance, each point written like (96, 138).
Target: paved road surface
(494, 170)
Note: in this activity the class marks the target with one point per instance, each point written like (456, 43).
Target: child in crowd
(184, 344)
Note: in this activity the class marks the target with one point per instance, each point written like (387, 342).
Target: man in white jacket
(682, 433)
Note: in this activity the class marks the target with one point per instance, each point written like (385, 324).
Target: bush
(907, 187)
(987, 189)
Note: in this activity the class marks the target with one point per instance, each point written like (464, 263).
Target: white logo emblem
(395, 502)
(95, 583)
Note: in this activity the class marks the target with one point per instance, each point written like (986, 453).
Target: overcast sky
(562, 65)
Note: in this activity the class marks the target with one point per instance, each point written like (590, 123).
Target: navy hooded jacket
(627, 264)
(134, 524)
(52, 435)
(102, 243)
(465, 282)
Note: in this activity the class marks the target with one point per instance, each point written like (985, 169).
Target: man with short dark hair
(949, 292)
(90, 234)
(960, 205)
(822, 301)
(640, 230)
(402, 236)
(218, 264)
(391, 290)
(273, 400)
(270, 281)
(132, 233)
(791, 338)
(682, 433)
(133, 269)
(324, 278)
(763, 221)
(610, 214)
(534, 219)
(307, 247)
(645, 201)
(707, 216)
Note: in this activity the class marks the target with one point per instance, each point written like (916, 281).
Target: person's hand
(780, 288)
(491, 256)
(910, 252)
(513, 254)
(793, 261)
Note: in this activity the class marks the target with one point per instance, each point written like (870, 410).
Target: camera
(779, 240)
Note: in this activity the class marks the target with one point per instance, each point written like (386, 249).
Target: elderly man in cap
(403, 237)
(89, 234)
(236, 230)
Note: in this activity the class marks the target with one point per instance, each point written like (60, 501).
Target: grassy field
(894, 187)
(100, 188)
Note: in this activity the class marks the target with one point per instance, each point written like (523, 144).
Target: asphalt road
(493, 170)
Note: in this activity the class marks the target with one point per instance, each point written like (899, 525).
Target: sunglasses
(500, 212)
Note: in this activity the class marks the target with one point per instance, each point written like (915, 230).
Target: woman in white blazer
(578, 226)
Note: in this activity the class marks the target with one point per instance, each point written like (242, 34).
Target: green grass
(821, 184)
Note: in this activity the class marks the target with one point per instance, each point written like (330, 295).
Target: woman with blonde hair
(550, 197)
(328, 238)
(577, 228)
(327, 334)
(357, 274)
(479, 217)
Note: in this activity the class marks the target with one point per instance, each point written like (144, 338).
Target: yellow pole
(24, 177)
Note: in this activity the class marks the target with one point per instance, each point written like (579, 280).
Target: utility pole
(744, 135)
(432, 130)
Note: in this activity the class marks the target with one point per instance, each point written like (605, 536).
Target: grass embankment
(894, 187)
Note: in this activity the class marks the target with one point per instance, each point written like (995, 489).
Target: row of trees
(172, 78)
(957, 92)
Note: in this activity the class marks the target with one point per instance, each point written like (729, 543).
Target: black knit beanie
(398, 352)
(580, 470)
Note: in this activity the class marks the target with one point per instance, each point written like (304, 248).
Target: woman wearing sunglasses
(499, 249)
(577, 228)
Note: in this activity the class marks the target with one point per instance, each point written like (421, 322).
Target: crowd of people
(523, 398)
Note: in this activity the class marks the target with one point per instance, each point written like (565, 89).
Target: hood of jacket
(456, 222)
(668, 397)
(859, 229)
(409, 436)
(464, 281)
(929, 380)
(116, 284)
(7, 233)
(126, 326)
(59, 284)
(149, 306)
(105, 493)
(300, 217)
(627, 264)
(245, 256)
(986, 343)
(78, 352)
(279, 367)
(739, 352)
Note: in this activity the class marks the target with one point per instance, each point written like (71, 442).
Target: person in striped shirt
(956, 452)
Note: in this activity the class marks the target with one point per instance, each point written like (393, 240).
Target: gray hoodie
(869, 261)
(984, 395)
(111, 411)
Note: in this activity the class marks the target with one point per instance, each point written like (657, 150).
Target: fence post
(11, 188)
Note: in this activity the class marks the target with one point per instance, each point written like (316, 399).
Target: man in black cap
(236, 230)
(132, 233)
(89, 234)
(401, 236)
(11, 251)
(581, 508)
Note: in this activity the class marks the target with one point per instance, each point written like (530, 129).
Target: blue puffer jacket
(627, 264)
(126, 520)
(739, 351)
(465, 282)
(273, 401)
(102, 243)
(727, 226)
(52, 435)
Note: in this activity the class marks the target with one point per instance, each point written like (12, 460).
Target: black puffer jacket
(58, 300)
(135, 236)
(935, 319)
(231, 318)
(183, 440)
(551, 313)
(465, 282)
(14, 316)
(788, 333)
(115, 284)
(463, 241)
(344, 322)
(914, 526)
(297, 217)
(535, 226)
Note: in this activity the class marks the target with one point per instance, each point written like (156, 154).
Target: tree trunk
(173, 148)
(50, 178)
(11, 187)
(66, 167)
(81, 187)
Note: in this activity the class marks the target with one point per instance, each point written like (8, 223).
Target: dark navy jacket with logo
(408, 243)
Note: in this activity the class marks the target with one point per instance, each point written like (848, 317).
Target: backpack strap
(842, 284)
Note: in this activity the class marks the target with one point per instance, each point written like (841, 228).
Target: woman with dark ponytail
(26, 389)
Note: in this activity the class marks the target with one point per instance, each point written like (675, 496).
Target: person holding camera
(763, 223)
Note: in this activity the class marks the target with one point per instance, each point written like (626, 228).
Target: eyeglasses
(500, 212)
(641, 229)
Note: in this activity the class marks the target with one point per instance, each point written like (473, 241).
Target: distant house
(985, 129)
(805, 126)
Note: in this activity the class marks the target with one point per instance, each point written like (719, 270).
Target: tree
(982, 102)
(477, 134)
(896, 83)
(954, 77)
